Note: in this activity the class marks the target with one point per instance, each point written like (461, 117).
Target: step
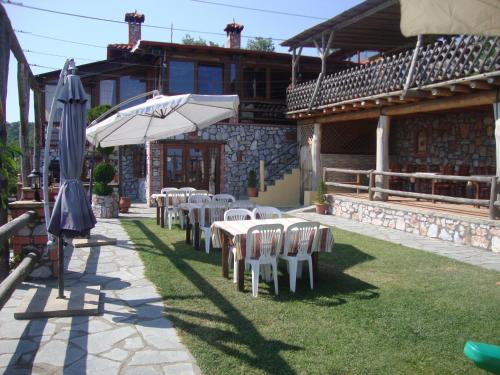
(284, 193)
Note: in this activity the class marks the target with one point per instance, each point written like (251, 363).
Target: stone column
(382, 157)
(317, 172)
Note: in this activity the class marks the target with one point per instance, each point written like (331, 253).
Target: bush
(320, 192)
(103, 175)
(252, 179)
(102, 189)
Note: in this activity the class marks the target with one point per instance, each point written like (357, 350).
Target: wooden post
(493, 198)
(262, 175)
(382, 157)
(224, 254)
(371, 184)
(295, 65)
(24, 99)
(316, 156)
(5, 37)
(496, 113)
(37, 129)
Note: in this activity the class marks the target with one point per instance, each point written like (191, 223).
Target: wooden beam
(493, 81)
(24, 101)
(441, 92)
(460, 88)
(439, 104)
(480, 85)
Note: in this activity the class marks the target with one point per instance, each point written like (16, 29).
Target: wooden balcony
(263, 111)
(447, 67)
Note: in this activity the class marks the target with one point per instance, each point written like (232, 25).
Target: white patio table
(226, 232)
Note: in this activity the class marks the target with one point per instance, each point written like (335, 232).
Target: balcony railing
(445, 60)
(262, 111)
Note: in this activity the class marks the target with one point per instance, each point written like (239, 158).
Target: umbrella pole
(91, 182)
(60, 246)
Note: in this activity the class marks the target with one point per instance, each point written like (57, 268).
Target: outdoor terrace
(448, 67)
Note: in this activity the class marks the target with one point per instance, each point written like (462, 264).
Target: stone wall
(455, 138)
(244, 145)
(131, 186)
(480, 233)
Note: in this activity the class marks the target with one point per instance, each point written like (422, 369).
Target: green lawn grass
(379, 308)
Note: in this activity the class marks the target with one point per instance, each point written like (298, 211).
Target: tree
(261, 44)
(189, 40)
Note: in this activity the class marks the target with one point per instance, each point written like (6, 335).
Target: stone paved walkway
(130, 337)
(466, 254)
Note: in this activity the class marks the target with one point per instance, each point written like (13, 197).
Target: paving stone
(100, 342)
(157, 357)
(20, 346)
(179, 369)
(133, 343)
(138, 296)
(55, 353)
(93, 365)
(159, 334)
(142, 370)
(116, 354)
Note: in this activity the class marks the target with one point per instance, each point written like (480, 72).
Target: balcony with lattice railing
(448, 59)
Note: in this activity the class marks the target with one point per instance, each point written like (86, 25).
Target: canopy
(162, 117)
(72, 214)
(450, 17)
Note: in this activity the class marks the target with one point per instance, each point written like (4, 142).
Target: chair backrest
(249, 205)
(212, 211)
(187, 189)
(266, 212)
(238, 214)
(165, 190)
(224, 198)
(264, 241)
(176, 197)
(198, 198)
(301, 238)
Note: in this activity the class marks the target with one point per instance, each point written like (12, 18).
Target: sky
(182, 14)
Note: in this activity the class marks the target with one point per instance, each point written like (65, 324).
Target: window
(232, 79)
(209, 80)
(181, 77)
(50, 91)
(254, 83)
(107, 92)
(129, 87)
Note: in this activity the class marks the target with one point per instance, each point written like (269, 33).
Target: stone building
(220, 157)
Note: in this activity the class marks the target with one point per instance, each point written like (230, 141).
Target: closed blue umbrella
(72, 215)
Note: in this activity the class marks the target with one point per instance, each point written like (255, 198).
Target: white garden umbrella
(162, 117)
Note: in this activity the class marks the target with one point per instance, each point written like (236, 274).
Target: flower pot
(124, 204)
(251, 192)
(321, 208)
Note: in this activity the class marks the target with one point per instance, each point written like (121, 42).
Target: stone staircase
(284, 192)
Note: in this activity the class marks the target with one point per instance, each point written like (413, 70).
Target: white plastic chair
(230, 215)
(198, 198)
(263, 243)
(248, 205)
(266, 212)
(215, 212)
(228, 198)
(301, 240)
(165, 190)
(173, 199)
(187, 189)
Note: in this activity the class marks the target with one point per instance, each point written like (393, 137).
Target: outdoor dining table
(159, 199)
(226, 232)
(191, 212)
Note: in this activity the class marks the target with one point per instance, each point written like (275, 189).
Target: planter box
(105, 206)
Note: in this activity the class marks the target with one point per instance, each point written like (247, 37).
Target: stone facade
(243, 146)
(480, 233)
(455, 138)
(130, 185)
(106, 206)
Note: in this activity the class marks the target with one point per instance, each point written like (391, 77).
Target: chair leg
(274, 265)
(299, 270)
(293, 274)
(208, 235)
(255, 279)
(311, 278)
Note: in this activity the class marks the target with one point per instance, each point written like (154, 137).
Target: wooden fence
(371, 188)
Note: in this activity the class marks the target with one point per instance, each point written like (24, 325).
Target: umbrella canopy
(162, 117)
(72, 214)
(450, 17)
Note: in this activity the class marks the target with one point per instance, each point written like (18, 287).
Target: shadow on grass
(265, 353)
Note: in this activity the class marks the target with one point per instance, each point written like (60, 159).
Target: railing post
(262, 175)
(371, 183)
(493, 198)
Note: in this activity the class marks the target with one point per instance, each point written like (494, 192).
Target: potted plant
(252, 184)
(103, 202)
(320, 201)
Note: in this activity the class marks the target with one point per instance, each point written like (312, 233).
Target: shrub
(252, 179)
(320, 192)
(103, 175)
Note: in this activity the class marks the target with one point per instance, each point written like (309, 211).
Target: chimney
(134, 26)
(233, 31)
